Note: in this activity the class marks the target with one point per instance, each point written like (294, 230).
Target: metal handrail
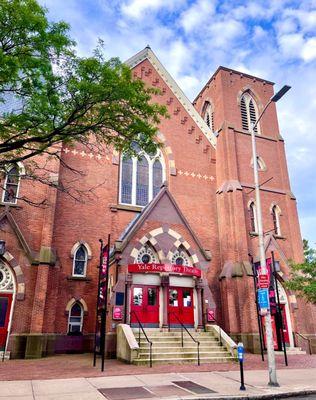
(183, 326)
(305, 338)
(140, 327)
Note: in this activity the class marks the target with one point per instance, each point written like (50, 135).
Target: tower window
(208, 115)
(276, 220)
(249, 113)
(253, 217)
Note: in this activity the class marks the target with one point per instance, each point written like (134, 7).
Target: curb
(271, 396)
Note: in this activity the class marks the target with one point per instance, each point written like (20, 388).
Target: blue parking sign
(263, 298)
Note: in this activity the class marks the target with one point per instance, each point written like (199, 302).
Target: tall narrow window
(142, 182)
(248, 111)
(208, 115)
(253, 217)
(75, 322)
(11, 185)
(276, 220)
(80, 262)
(140, 179)
(126, 180)
(157, 177)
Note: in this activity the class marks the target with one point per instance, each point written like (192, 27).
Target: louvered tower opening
(252, 114)
(244, 114)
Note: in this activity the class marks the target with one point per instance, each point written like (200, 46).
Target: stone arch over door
(17, 273)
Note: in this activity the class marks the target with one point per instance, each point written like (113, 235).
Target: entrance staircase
(167, 348)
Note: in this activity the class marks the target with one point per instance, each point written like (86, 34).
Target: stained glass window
(80, 262)
(142, 182)
(126, 180)
(11, 185)
(157, 177)
(75, 319)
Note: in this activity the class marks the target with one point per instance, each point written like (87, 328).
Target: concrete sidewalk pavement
(170, 385)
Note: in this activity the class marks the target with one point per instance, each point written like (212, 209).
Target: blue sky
(273, 39)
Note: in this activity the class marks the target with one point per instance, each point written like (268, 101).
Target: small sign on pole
(263, 281)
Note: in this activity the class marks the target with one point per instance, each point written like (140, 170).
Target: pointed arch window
(140, 179)
(253, 217)
(181, 257)
(75, 321)
(80, 262)
(11, 185)
(249, 113)
(276, 220)
(208, 115)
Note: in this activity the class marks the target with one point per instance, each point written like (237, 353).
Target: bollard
(241, 352)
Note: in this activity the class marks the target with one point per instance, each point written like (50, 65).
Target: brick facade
(210, 182)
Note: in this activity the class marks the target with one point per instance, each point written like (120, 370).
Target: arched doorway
(286, 316)
(7, 292)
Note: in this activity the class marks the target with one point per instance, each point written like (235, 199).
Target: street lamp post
(263, 269)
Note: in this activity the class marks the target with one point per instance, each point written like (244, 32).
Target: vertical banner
(101, 304)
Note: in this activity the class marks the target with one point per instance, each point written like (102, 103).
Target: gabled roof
(138, 221)
(148, 54)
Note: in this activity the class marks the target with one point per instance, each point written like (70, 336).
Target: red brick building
(186, 253)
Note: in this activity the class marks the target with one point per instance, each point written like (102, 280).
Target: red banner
(171, 268)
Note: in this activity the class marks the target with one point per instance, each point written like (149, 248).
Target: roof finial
(147, 47)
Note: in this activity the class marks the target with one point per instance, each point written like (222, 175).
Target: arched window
(147, 255)
(276, 220)
(11, 185)
(181, 257)
(75, 320)
(208, 115)
(80, 262)
(248, 111)
(253, 217)
(140, 179)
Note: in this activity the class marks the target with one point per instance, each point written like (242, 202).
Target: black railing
(140, 327)
(185, 328)
(304, 338)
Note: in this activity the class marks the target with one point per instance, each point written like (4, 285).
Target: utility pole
(263, 268)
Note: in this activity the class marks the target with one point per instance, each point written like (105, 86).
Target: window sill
(115, 207)
(79, 278)
(279, 237)
(253, 233)
(2, 204)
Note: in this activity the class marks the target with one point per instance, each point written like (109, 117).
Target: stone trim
(20, 279)
(74, 300)
(168, 153)
(77, 245)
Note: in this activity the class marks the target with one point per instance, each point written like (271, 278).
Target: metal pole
(242, 381)
(269, 337)
(278, 307)
(97, 307)
(105, 306)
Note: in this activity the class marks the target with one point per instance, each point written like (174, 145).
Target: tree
(303, 276)
(49, 95)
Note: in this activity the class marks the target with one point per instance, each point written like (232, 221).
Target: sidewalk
(194, 385)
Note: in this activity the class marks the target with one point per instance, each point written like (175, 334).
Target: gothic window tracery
(249, 113)
(140, 178)
(208, 115)
(6, 279)
(146, 255)
(180, 257)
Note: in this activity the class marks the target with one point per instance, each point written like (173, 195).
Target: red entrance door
(180, 306)
(5, 307)
(284, 327)
(145, 303)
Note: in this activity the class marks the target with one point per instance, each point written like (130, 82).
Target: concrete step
(193, 360)
(181, 349)
(186, 343)
(182, 355)
(292, 351)
(177, 338)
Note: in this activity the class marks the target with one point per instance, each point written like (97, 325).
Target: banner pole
(97, 306)
(105, 305)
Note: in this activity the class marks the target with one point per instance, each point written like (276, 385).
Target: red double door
(145, 305)
(5, 308)
(277, 340)
(180, 306)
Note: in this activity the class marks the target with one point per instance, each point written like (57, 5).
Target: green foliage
(303, 276)
(50, 95)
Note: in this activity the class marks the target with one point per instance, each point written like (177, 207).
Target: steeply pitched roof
(148, 54)
(138, 221)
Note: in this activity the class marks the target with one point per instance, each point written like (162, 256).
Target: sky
(272, 39)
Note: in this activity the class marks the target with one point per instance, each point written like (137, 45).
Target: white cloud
(291, 44)
(195, 16)
(137, 8)
(309, 49)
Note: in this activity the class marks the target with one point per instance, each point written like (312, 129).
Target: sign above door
(170, 268)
